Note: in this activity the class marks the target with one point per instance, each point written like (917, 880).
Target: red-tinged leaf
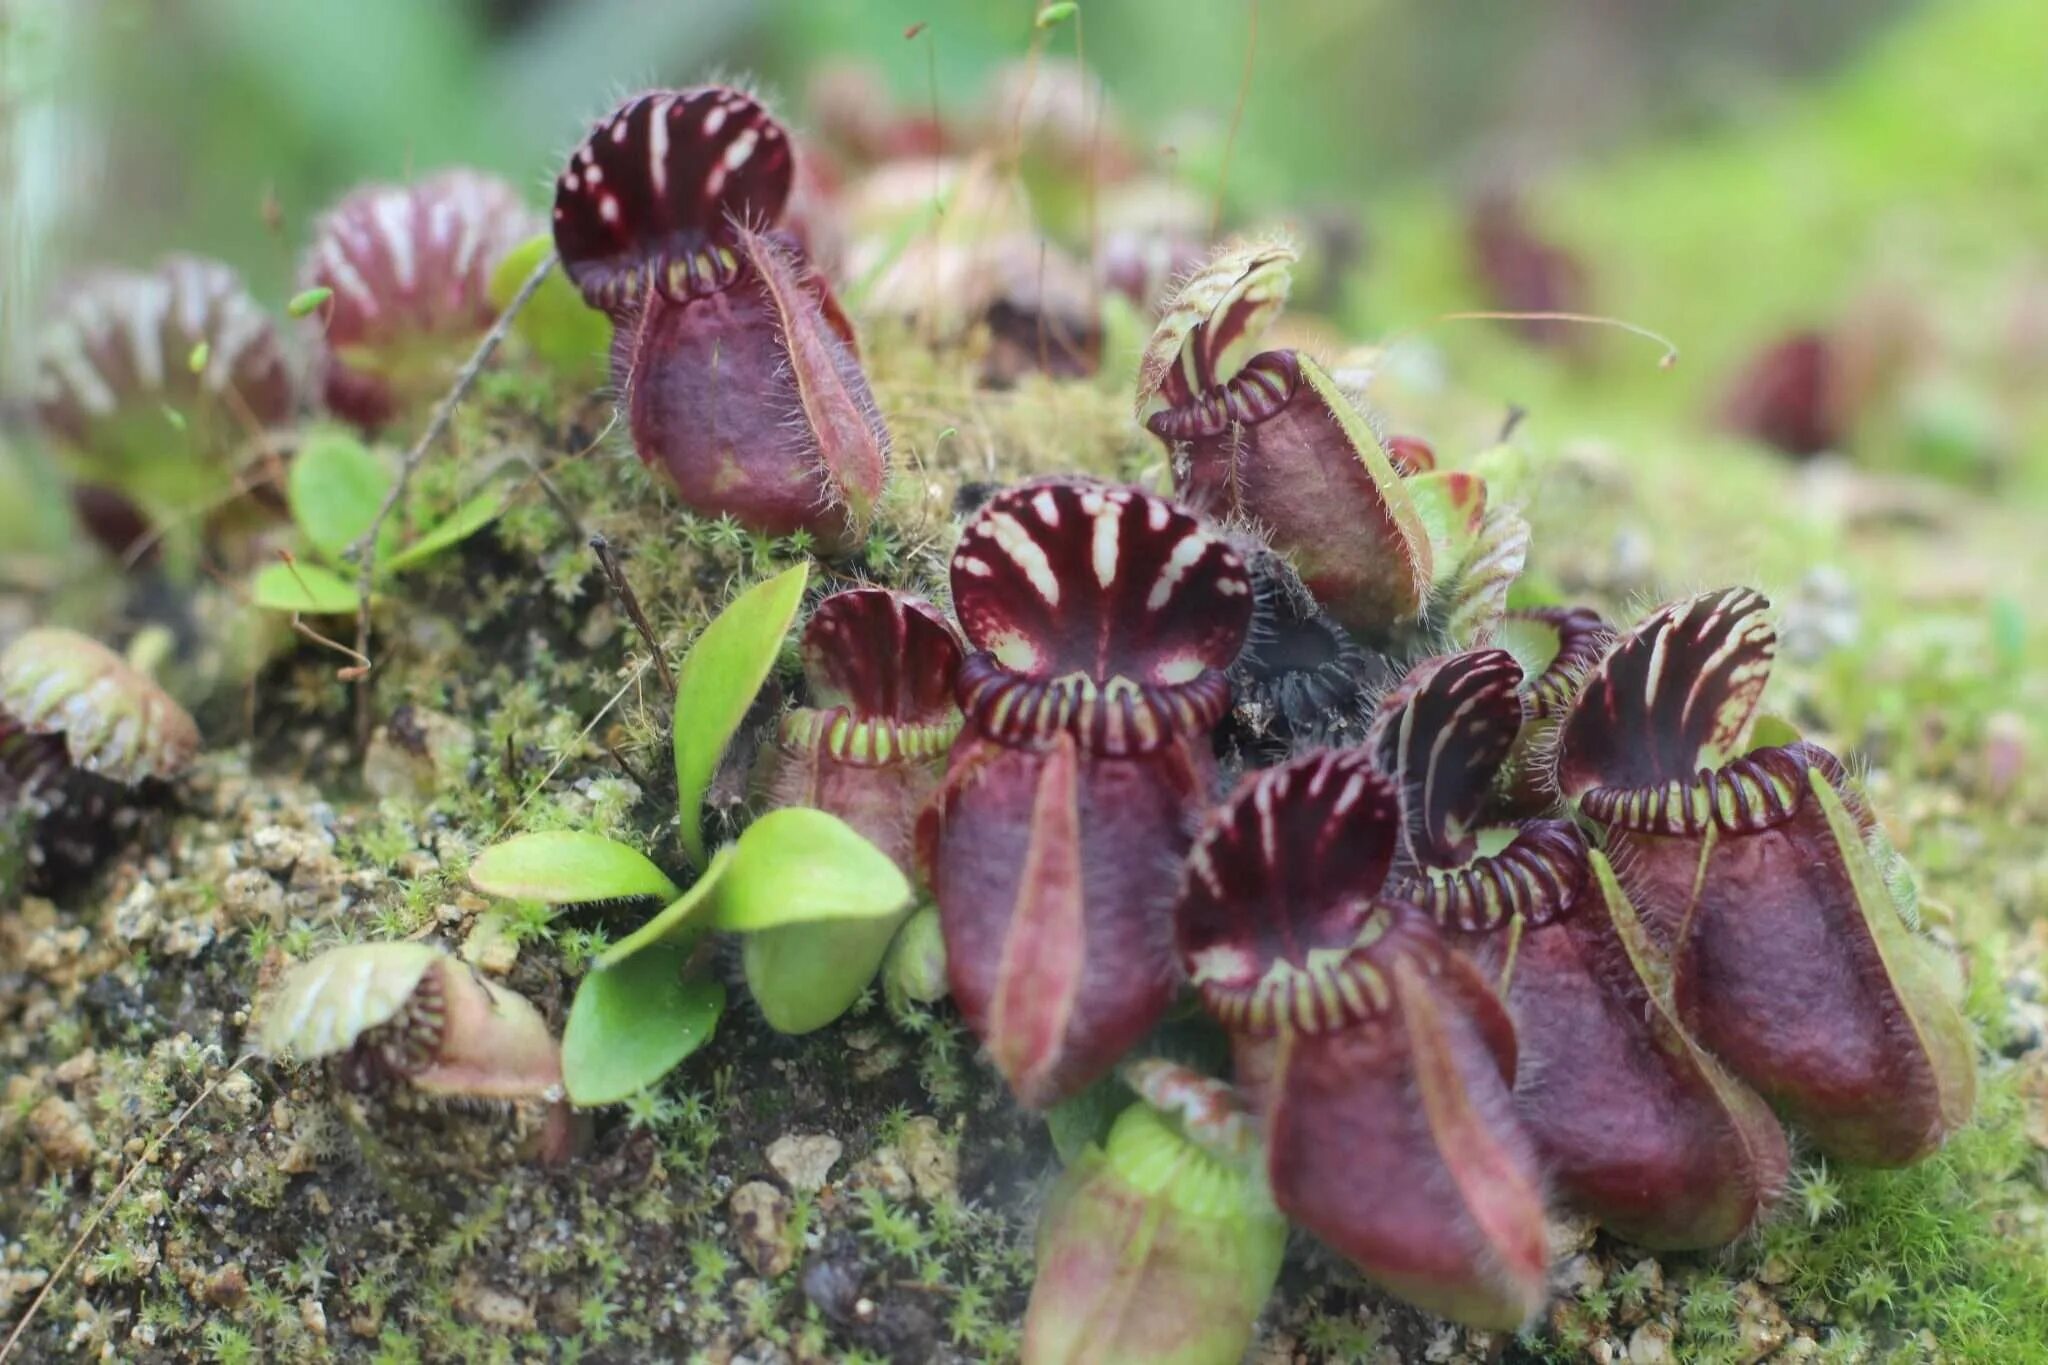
(1208, 1111)
(1923, 983)
(1152, 1251)
(468, 1037)
(1524, 273)
(1487, 1157)
(660, 185)
(1357, 1030)
(1044, 950)
(752, 405)
(1411, 454)
(871, 748)
(841, 426)
(875, 775)
(1452, 505)
(881, 653)
(1791, 395)
(1312, 473)
(1675, 695)
(1442, 735)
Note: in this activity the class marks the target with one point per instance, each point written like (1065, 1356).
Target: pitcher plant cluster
(1493, 912)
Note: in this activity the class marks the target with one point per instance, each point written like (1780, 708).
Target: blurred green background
(1722, 171)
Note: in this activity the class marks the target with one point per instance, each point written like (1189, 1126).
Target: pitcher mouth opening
(1317, 990)
(1757, 791)
(867, 741)
(1114, 718)
(1538, 878)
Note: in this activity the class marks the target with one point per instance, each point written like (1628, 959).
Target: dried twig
(365, 548)
(615, 575)
(114, 1197)
(1664, 362)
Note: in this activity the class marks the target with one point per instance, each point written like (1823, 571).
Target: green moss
(1949, 1245)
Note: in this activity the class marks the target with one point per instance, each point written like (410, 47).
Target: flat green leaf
(464, 522)
(915, 969)
(568, 335)
(631, 1024)
(335, 487)
(681, 921)
(717, 683)
(303, 587)
(568, 867)
(803, 976)
(799, 866)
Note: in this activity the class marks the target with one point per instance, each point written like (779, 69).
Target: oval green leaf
(568, 867)
(631, 1024)
(304, 588)
(915, 969)
(800, 866)
(718, 681)
(803, 976)
(335, 487)
(464, 522)
(681, 921)
(569, 336)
